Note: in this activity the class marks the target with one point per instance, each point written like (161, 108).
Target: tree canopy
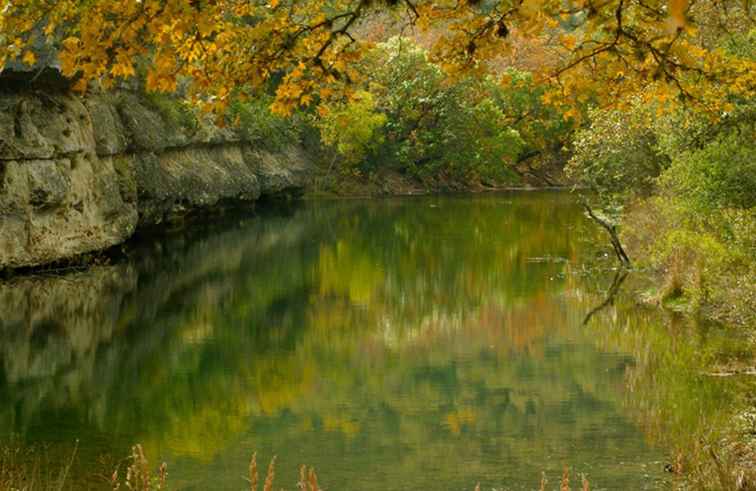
(218, 49)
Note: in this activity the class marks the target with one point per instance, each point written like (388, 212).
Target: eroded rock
(79, 174)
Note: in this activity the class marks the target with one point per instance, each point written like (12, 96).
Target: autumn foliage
(220, 48)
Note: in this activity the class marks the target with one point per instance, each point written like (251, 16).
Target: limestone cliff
(80, 174)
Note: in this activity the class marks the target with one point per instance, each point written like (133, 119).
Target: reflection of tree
(667, 391)
(619, 277)
(387, 332)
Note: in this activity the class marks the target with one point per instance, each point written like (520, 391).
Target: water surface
(418, 343)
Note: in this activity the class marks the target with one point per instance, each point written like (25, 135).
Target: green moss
(126, 177)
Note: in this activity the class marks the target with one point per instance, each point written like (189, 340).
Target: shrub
(174, 111)
(617, 157)
(257, 125)
(353, 128)
(409, 117)
(690, 183)
(720, 175)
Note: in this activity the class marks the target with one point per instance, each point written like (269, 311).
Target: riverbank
(328, 181)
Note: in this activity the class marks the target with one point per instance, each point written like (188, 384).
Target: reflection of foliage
(350, 335)
(677, 403)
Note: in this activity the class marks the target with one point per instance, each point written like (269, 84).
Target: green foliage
(353, 129)
(718, 176)
(258, 126)
(411, 118)
(437, 127)
(521, 98)
(690, 183)
(691, 186)
(707, 197)
(616, 157)
(706, 258)
(174, 111)
(492, 142)
(742, 44)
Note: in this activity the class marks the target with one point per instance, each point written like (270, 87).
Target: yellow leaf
(80, 85)
(568, 41)
(29, 58)
(677, 12)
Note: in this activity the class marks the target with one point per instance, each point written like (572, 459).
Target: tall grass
(31, 468)
(140, 478)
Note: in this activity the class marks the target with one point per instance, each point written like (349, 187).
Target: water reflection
(403, 344)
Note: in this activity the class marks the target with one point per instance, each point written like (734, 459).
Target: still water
(419, 343)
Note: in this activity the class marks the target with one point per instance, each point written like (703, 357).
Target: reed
(270, 475)
(253, 477)
(544, 481)
(19, 472)
(139, 475)
(30, 468)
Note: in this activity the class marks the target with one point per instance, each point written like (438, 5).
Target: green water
(421, 343)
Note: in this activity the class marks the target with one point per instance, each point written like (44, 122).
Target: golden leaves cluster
(589, 49)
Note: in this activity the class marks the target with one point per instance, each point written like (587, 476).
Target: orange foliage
(222, 47)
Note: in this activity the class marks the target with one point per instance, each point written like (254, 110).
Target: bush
(687, 182)
(436, 128)
(617, 157)
(258, 126)
(706, 259)
(411, 119)
(720, 175)
(175, 111)
(353, 128)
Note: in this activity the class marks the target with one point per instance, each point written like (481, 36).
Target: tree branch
(614, 238)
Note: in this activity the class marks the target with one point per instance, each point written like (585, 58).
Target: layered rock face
(80, 174)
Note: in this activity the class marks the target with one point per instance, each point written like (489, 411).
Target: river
(408, 343)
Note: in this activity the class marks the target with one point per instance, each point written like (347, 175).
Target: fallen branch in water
(613, 237)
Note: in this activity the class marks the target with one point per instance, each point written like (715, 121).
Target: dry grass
(25, 468)
(726, 464)
(22, 469)
(139, 476)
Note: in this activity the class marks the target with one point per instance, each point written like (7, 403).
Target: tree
(223, 47)
(353, 128)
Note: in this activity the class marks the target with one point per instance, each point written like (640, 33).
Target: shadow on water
(408, 343)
